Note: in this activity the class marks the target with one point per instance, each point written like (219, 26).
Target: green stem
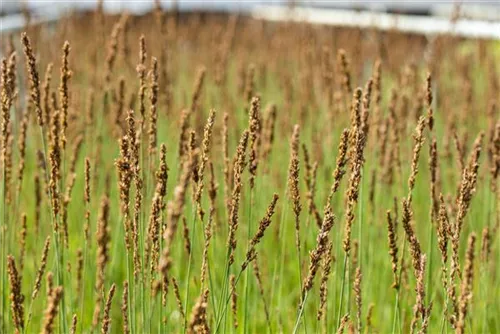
(249, 224)
(398, 315)
(301, 311)
(188, 276)
(341, 299)
(3, 227)
(281, 236)
(224, 286)
(226, 302)
(429, 271)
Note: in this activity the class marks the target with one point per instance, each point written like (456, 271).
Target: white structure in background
(426, 25)
(367, 13)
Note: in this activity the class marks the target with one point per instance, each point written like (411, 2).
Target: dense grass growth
(203, 173)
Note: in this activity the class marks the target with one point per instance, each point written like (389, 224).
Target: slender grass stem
(398, 292)
(281, 236)
(341, 299)
(249, 224)
(3, 227)
(226, 302)
(188, 275)
(224, 286)
(300, 312)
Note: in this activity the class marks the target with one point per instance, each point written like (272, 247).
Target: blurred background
(13, 13)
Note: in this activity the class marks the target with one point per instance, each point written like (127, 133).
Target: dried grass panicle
(467, 285)
(468, 182)
(153, 243)
(293, 181)
(153, 113)
(415, 248)
(34, 78)
(175, 207)
(460, 148)
(112, 51)
(428, 100)
(183, 137)
(134, 143)
(174, 211)
(392, 158)
(227, 168)
(357, 292)
(22, 241)
(254, 127)
(75, 154)
(22, 151)
(419, 141)
(369, 318)
(185, 234)
(357, 162)
(433, 168)
(199, 322)
(377, 96)
(79, 270)
(260, 287)
(339, 171)
(49, 280)
(325, 274)
(7, 99)
(55, 166)
(124, 308)
(365, 111)
(208, 237)
(495, 157)
(393, 247)
(178, 297)
(46, 93)
(236, 194)
(106, 320)
(234, 300)
(419, 309)
(198, 85)
(41, 269)
(263, 225)
(343, 323)
(16, 295)
(310, 180)
(119, 99)
(268, 131)
(8, 163)
(74, 321)
(141, 73)
(343, 69)
(64, 92)
(103, 238)
(157, 205)
(486, 242)
(125, 175)
(249, 83)
(206, 144)
(212, 190)
(52, 310)
(38, 202)
(356, 122)
(65, 203)
(443, 234)
(318, 252)
(6, 102)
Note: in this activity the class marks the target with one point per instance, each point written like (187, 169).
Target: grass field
(205, 173)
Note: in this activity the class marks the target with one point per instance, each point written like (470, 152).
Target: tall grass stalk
(188, 275)
(247, 288)
(342, 285)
